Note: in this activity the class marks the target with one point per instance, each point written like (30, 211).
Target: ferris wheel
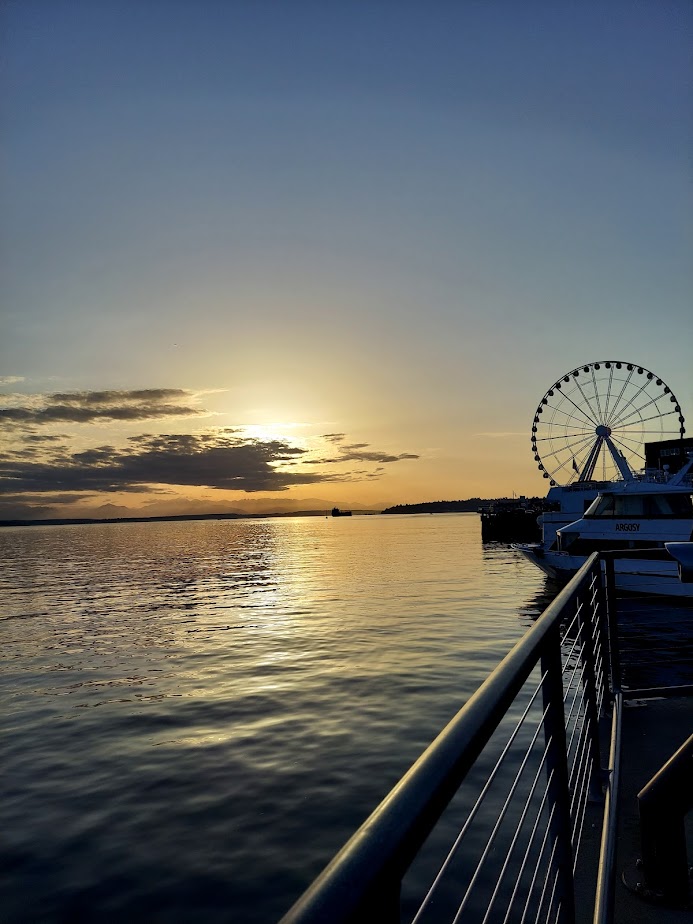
(593, 422)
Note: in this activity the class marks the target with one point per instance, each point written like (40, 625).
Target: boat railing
(488, 824)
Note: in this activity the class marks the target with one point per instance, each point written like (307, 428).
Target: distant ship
(336, 512)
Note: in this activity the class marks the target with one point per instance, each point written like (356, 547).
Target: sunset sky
(258, 254)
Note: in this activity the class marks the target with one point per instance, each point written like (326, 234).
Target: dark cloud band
(88, 406)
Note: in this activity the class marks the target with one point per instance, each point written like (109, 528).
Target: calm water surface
(197, 715)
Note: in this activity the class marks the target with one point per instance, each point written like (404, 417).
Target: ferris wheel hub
(603, 431)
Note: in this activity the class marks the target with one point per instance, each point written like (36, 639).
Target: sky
(269, 255)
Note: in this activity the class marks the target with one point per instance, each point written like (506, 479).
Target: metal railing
(488, 824)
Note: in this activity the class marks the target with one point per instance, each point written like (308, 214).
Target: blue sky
(400, 222)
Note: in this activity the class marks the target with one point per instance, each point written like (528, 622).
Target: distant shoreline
(80, 521)
(471, 505)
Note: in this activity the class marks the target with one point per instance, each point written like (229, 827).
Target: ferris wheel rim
(601, 418)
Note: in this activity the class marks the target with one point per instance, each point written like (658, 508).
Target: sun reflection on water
(229, 693)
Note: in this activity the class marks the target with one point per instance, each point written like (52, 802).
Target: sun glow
(274, 431)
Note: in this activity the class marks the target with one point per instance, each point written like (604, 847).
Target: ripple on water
(197, 715)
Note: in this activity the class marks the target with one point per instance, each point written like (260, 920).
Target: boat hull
(641, 576)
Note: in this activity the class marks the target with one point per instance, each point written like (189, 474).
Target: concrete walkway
(653, 730)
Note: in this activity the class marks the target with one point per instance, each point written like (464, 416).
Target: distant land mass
(470, 505)
(444, 506)
(78, 521)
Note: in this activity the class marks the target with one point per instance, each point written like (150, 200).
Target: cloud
(494, 434)
(45, 438)
(38, 467)
(373, 456)
(189, 460)
(89, 406)
(107, 398)
(10, 379)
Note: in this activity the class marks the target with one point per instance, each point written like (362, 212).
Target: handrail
(362, 883)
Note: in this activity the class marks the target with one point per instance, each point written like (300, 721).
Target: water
(197, 715)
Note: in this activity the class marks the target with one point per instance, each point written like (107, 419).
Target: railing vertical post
(589, 683)
(557, 772)
(614, 658)
(380, 907)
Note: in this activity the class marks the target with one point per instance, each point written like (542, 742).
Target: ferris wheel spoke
(589, 425)
(596, 394)
(636, 408)
(587, 401)
(639, 435)
(567, 419)
(569, 447)
(658, 416)
(589, 419)
(608, 392)
(623, 440)
(574, 421)
(631, 451)
(633, 398)
(588, 434)
(577, 461)
(620, 395)
(564, 467)
(569, 414)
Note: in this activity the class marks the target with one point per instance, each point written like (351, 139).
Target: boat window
(603, 506)
(641, 505)
(630, 506)
(671, 505)
(580, 546)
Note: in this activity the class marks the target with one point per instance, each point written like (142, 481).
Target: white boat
(636, 514)
(631, 510)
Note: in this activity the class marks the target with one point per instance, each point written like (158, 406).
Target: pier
(557, 793)
(654, 727)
